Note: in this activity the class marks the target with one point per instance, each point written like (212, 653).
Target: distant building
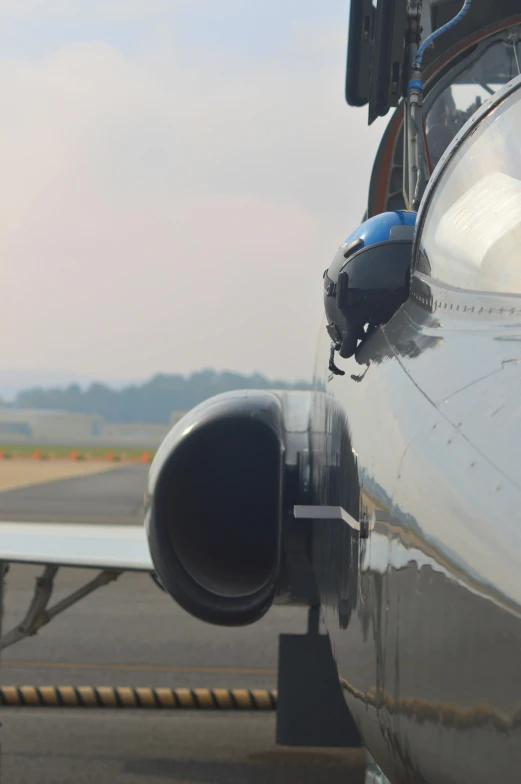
(40, 426)
(35, 426)
(133, 434)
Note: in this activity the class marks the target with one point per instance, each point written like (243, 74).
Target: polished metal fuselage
(422, 438)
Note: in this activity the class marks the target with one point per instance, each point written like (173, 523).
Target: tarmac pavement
(130, 633)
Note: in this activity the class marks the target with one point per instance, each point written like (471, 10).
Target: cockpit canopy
(461, 92)
(469, 232)
(379, 32)
(454, 91)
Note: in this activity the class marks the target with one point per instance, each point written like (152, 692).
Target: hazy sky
(175, 177)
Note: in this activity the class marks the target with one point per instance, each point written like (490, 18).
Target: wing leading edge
(122, 547)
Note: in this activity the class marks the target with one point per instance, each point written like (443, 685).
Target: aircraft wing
(121, 547)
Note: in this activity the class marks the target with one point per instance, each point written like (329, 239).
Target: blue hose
(436, 34)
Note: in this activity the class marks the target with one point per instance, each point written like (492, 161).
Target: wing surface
(122, 547)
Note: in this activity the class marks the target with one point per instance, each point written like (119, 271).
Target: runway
(130, 633)
(104, 495)
(57, 748)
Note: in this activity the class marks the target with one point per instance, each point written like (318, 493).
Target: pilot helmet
(368, 279)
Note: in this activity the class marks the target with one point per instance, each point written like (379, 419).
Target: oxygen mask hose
(436, 34)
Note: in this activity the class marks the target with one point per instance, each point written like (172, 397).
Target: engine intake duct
(214, 520)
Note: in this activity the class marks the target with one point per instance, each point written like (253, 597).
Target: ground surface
(63, 747)
(15, 474)
(93, 451)
(97, 493)
(132, 634)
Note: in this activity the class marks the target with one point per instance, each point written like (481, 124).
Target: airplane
(388, 499)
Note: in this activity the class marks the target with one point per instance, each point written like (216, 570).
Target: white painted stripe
(325, 513)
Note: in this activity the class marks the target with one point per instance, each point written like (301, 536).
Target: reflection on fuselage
(424, 615)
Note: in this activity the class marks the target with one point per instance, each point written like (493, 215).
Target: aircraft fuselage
(420, 438)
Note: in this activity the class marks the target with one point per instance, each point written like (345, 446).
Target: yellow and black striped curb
(127, 697)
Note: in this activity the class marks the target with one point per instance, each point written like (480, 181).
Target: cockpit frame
(385, 189)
